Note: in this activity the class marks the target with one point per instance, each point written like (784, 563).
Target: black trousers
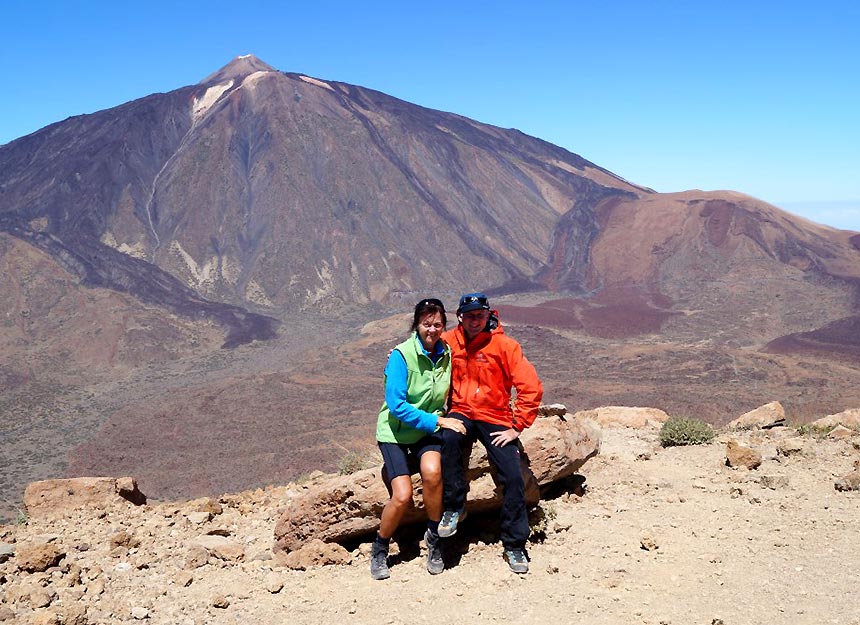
(506, 460)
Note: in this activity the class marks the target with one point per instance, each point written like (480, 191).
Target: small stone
(124, 539)
(552, 410)
(6, 614)
(841, 432)
(196, 557)
(139, 613)
(791, 447)
(848, 482)
(75, 614)
(774, 482)
(6, 551)
(738, 455)
(183, 578)
(274, 583)
(198, 518)
(210, 505)
(39, 557)
(41, 598)
(48, 617)
(96, 588)
(220, 601)
(648, 543)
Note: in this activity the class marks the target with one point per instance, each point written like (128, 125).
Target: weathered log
(341, 508)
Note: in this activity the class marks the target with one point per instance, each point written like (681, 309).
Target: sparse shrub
(302, 479)
(540, 518)
(815, 431)
(353, 461)
(678, 431)
(22, 518)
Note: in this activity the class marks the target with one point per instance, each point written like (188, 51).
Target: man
(486, 363)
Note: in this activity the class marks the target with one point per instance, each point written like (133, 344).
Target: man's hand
(500, 439)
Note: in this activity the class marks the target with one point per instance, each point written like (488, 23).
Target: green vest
(427, 387)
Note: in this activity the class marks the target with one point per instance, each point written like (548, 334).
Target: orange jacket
(482, 374)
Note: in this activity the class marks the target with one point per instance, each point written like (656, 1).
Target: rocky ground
(660, 536)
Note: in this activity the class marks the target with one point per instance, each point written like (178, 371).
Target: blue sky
(758, 97)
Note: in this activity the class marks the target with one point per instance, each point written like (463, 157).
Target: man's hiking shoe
(449, 522)
(517, 560)
(379, 563)
(435, 563)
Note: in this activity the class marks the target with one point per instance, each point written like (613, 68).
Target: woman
(417, 378)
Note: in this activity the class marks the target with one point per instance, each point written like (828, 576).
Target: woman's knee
(432, 476)
(401, 491)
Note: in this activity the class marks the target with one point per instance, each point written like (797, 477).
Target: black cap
(473, 301)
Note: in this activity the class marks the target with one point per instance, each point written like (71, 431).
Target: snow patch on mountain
(318, 83)
(203, 104)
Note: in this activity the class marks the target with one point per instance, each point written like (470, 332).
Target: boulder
(766, 416)
(848, 482)
(39, 557)
(56, 498)
(315, 553)
(738, 455)
(790, 447)
(841, 432)
(344, 507)
(847, 418)
(222, 548)
(625, 416)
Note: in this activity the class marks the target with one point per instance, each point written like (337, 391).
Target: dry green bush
(679, 431)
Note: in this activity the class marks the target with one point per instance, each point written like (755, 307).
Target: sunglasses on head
(431, 302)
(472, 299)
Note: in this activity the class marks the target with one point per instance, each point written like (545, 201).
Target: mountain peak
(239, 67)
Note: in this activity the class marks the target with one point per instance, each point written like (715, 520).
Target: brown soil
(661, 536)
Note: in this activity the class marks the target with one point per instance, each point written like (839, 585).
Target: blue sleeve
(395, 396)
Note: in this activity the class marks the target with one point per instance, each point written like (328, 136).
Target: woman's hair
(428, 307)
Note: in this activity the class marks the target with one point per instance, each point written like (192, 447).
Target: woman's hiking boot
(379, 562)
(435, 562)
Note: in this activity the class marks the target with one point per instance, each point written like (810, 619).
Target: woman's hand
(450, 423)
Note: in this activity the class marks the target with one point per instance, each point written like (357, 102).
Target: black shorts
(405, 459)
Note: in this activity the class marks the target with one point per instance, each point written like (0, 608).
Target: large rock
(765, 416)
(39, 557)
(848, 418)
(625, 416)
(850, 481)
(338, 508)
(53, 498)
(315, 553)
(738, 455)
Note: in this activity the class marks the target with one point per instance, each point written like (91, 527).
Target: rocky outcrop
(340, 508)
(625, 416)
(851, 481)
(766, 416)
(738, 455)
(49, 498)
(848, 418)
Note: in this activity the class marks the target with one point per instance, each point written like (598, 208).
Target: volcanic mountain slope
(264, 188)
(278, 191)
(289, 208)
